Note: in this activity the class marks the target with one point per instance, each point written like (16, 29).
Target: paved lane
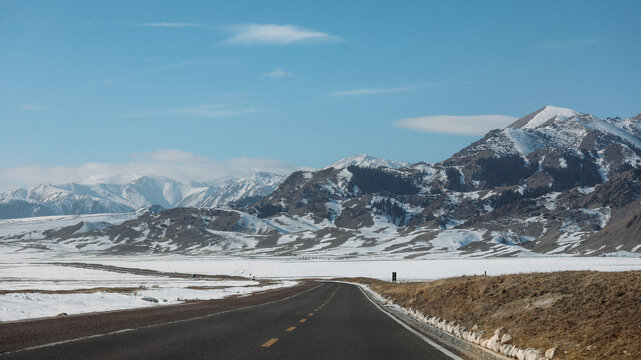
(332, 321)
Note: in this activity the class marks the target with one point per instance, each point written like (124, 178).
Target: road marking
(302, 320)
(310, 314)
(270, 342)
(291, 328)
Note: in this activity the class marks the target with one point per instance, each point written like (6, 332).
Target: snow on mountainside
(545, 141)
(90, 196)
(552, 127)
(543, 115)
(364, 160)
(245, 189)
(556, 182)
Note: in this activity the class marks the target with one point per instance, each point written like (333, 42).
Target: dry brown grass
(587, 315)
(123, 290)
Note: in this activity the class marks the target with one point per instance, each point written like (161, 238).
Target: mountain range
(92, 196)
(555, 182)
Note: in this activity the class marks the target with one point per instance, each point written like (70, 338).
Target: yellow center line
(270, 342)
(302, 320)
(291, 328)
(310, 314)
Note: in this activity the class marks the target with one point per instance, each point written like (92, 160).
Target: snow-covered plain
(30, 287)
(411, 270)
(33, 289)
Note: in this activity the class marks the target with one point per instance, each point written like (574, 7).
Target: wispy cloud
(171, 25)
(272, 34)
(211, 111)
(376, 91)
(152, 69)
(33, 107)
(458, 125)
(176, 164)
(570, 44)
(371, 91)
(253, 34)
(169, 66)
(279, 73)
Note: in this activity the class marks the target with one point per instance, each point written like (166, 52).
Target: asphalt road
(331, 321)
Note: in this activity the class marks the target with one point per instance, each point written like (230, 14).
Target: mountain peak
(364, 160)
(119, 179)
(543, 115)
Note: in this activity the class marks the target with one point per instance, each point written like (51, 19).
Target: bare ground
(146, 272)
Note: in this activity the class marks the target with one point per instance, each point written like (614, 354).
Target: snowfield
(29, 290)
(30, 287)
(408, 270)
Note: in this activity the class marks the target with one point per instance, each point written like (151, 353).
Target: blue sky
(233, 86)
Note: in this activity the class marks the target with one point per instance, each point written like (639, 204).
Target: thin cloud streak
(272, 34)
(171, 25)
(152, 69)
(570, 44)
(33, 107)
(176, 65)
(279, 73)
(371, 91)
(254, 34)
(211, 111)
(376, 91)
(456, 125)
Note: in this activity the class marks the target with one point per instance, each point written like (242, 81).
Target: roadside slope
(584, 314)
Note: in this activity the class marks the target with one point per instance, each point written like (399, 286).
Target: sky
(202, 89)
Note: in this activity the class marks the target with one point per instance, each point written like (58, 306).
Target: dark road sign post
(394, 276)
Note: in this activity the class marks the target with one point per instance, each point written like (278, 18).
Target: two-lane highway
(331, 321)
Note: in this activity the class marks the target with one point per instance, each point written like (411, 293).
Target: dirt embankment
(585, 314)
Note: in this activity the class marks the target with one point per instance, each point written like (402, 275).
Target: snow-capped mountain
(240, 192)
(363, 160)
(542, 116)
(555, 182)
(44, 200)
(545, 147)
(90, 196)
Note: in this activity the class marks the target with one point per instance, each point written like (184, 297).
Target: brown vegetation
(123, 290)
(587, 315)
(147, 272)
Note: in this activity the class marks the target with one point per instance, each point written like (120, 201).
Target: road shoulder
(455, 346)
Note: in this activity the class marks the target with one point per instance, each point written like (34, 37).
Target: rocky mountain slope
(554, 182)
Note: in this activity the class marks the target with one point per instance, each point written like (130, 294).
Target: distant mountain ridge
(90, 196)
(555, 182)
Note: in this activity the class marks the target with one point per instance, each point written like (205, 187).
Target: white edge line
(151, 326)
(423, 337)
